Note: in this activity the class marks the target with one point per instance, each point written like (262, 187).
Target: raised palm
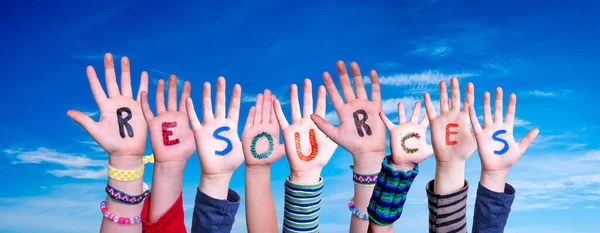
(495, 141)
(217, 140)
(260, 138)
(361, 131)
(127, 138)
(307, 148)
(171, 138)
(451, 134)
(408, 139)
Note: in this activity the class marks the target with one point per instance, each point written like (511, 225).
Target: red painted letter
(448, 132)
(166, 133)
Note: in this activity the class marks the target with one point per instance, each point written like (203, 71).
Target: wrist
(368, 163)
(125, 162)
(305, 177)
(215, 185)
(449, 177)
(169, 169)
(401, 166)
(494, 180)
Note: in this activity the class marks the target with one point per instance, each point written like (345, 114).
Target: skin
(451, 159)
(368, 151)
(400, 159)
(494, 168)
(169, 161)
(123, 153)
(216, 171)
(260, 208)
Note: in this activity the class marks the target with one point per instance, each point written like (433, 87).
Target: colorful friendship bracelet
(117, 219)
(132, 175)
(364, 179)
(389, 195)
(355, 211)
(122, 197)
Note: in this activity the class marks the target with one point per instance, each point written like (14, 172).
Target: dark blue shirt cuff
(214, 215)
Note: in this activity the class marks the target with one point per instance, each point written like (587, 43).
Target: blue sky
(544, 51)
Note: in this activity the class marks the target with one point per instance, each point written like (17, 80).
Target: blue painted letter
(496, 138)
(219, 137)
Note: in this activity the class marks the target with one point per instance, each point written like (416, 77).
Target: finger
(234, 104)
(172, 94)
(283, 123)
(511, 110)
(321, 105)
(95, 85)
(389, 124)
(143, 84)
(375, 88)
(345, 81)
(443, 97)
(185, 93)
(455, 94)
(220, 104)
(191, 112)
(359, 86)
(160, 97)
(308, 98)
(334, 95)
(146, 107)
(498, 106)
(295, 104)
(267, 106)
(414, 118)
(125, 77)
(250, 118)
(425, 121)
(84, 120)
(401, 113)
(487, 113)
(259, 107)
(272, 118)
(110, 77)
(207, 113)
(326, 127)
(528, 139)
(429, 106)
(469, 97)
(474, 120)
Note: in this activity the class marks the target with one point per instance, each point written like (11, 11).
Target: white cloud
(80, 173)
(502, 65)
(546, 94)
(45, 155)
(425, 78)
(433, 51)
(520, 122)
(248, 98)
(90, 113)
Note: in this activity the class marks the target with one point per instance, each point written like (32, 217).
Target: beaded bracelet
(355, 211)
(131, 175)
(117, 219)
(122, 197)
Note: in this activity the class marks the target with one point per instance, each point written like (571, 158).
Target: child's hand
(307, 148)
(260, 138)
(408, 140)
(496, 143)
(171, 138)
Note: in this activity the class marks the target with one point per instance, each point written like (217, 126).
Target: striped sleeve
(302, 207)
(447, 213)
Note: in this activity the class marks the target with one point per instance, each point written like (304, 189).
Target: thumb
(84, 120)
(528, 139)
(325, 127)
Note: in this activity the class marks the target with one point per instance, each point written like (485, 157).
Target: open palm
(307, 148)
(217, 140)
(129, 137)
(171, 138)
(451, 134)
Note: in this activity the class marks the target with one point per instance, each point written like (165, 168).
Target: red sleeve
(171, 221)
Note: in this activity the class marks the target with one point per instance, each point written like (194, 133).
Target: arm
(409, 148)
(172, 142)
(453, 143)
(121, 132)
(308, 150)
(220, 153)
(360, 132)
(498, 152)
(260, 141)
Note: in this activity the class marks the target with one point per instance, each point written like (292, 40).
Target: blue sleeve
(213, 215)
(492, 209)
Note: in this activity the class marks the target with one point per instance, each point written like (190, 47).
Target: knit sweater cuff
(302, 207)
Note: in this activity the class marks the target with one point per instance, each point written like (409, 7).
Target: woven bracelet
(364, 179)
(122, 197)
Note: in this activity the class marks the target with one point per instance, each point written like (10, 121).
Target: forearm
(129, 187)
(166, 188)
(362, 194)
(260, 207)
(449, 177)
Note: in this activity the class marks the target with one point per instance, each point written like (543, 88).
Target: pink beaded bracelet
(117, 219)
